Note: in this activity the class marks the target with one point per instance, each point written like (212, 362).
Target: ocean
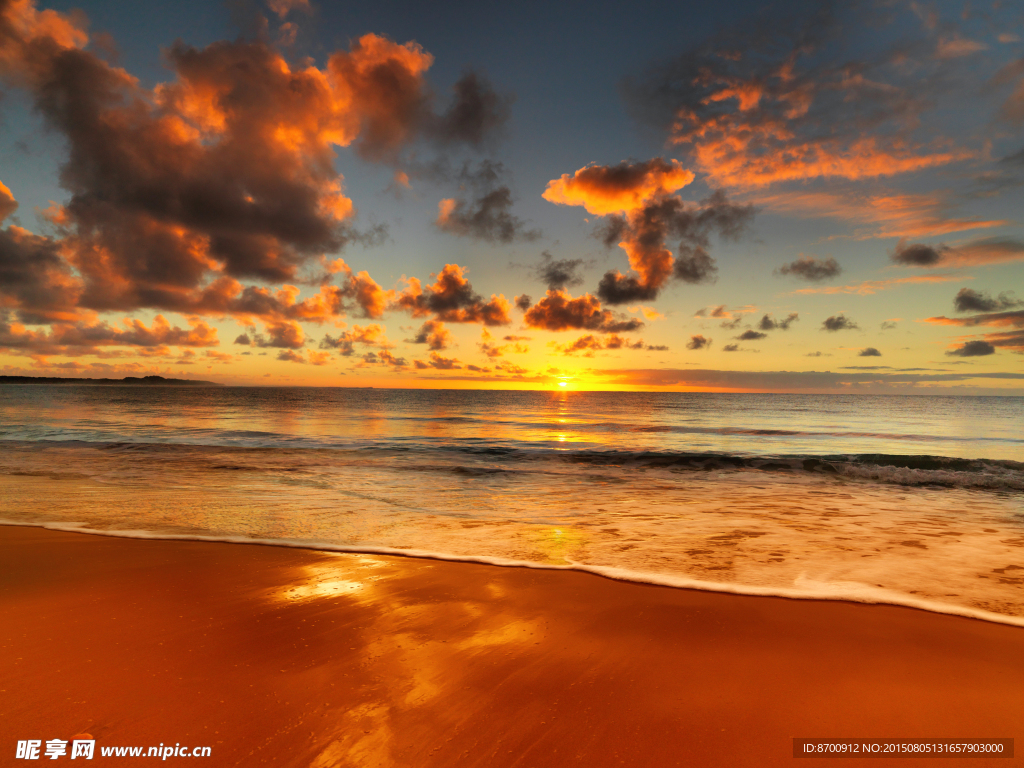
(915, 500)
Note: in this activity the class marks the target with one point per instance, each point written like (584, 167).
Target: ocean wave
(472, 459)
(803, 588)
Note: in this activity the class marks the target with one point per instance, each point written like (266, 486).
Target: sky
(739, 196)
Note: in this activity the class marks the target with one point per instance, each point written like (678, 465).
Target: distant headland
(131, 380)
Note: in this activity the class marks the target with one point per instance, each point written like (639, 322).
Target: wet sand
(298, 658)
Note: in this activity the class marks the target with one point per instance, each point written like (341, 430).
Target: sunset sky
(748, 196)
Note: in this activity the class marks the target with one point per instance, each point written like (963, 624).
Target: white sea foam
(804, 588)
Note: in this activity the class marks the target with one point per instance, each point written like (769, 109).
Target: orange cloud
(451, 298)
(881, 215)
(1013, 319)
(434, 334)
(604, 190)
(869, 287)
(81, 338)
(558, 311)
(642, 214)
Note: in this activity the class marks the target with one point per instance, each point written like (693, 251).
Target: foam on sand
(804, 588)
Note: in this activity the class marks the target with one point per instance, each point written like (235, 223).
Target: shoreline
(855, 594)
(307, 658)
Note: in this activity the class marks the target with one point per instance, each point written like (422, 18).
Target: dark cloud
(452, 299)
(641, 214)
(968, 300)
(589, 344)
(752, 336)
(488, 215)
(644, 232)
(976, 348)
(558, 274)
(812, 269)
(87, 338)
(476, 115)
(434, 334)
(869, 352)
(918, 254)
(523, 302)
(769, 323)
(437, 362)
(285, 334)
(694, 266)
(35, 279)
(371, 335)
(731, 348)
(732, 324)
(1013, 318)
(558, 311)
(888, 325)
(838, 323)
(698, 342)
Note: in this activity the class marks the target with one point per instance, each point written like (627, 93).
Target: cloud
(452, 299)
(956, 47)
(438, 362)
(282, 334)
(84, 338)
(641, 215)
(768, 323)
(731, 348)
(589, 344)
(869, 287)
(225, 173)
(917, 254)
(383, 358)
(968, 300)
(290, 356)
(781, 381)
(558, 311)
(371, 335)
(976, 348)
(772, 100)
(838, 323)
(8, 204)
(869, 352)
(558, 273)
(36, 279)
(283, 7)
(491, 348)
(629, 186)
(1012, 110)
(434, 334)
(488, 216)
(1014, 319)
(698, 342)
(811, 269)
(476, 115)
(876, 214)
(989, 250)
(752, 336)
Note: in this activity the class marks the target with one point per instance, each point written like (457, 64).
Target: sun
(563, 384)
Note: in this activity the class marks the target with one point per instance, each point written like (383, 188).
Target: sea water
(915, 500)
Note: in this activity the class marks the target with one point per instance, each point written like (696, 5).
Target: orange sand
(299, 658)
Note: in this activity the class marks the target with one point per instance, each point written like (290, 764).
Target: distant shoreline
(129, 380)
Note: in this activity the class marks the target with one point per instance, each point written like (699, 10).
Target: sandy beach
(292, 657)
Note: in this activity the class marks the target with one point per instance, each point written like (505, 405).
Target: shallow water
(915, 500)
